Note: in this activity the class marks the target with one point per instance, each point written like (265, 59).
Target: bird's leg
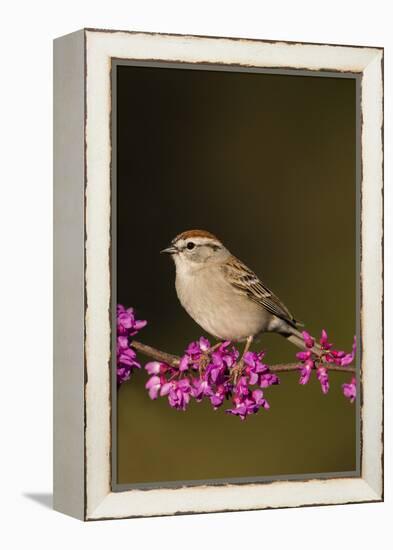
(238, 368)
(205, 357)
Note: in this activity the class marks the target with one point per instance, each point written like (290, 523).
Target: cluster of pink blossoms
(127, 327)
(206, 373)
(316, 357)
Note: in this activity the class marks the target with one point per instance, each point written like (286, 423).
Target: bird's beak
(169, 250)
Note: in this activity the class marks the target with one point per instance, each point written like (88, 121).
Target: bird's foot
(204, 360)
(237, 371)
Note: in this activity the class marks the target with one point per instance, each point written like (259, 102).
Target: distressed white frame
(99, 501)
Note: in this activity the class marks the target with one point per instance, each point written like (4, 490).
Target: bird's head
(196, 248)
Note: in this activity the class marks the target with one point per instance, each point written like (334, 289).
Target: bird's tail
(297, 339)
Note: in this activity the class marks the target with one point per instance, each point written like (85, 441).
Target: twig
(156, 354)
(295, 366)
(174, 360)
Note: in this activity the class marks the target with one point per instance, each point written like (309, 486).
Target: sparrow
(225, 297)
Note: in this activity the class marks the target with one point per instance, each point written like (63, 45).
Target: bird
(225, 297)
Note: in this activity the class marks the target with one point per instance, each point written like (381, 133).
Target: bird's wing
(246, 282)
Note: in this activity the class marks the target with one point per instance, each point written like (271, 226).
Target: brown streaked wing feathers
(245, 280)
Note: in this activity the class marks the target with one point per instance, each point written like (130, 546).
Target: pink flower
(323, 378)
(325, 344)
(200, 389)
(268, 379)
(179, 394)
(185, 363)
(216, 371)
(126, 322)
(127, 326)
(123, 374)
(339, 357)
(334, 356)
(249, 403)
(154, 367)
(349, 390)
(195, 349)
(193, 354)
(317, 359)
(257, 372)
(125, 319)
(153, 385)
(126, 355)
(308, 339)
(220, 393)
(204, 344)
(304, 355)
(126, 360)
(225, 355)
(222, 359)
(305, 372)
(349, 357)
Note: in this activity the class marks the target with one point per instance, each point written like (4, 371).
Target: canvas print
(235, 275)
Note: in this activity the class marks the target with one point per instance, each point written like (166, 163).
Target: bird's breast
(209, 298)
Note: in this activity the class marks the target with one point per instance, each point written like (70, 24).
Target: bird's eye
(190, 246)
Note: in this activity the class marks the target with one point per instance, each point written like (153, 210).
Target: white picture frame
(82, 241)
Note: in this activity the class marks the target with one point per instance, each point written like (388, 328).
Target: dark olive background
(268, 163)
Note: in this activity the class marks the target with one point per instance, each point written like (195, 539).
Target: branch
(174, 360)
(156, 354)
